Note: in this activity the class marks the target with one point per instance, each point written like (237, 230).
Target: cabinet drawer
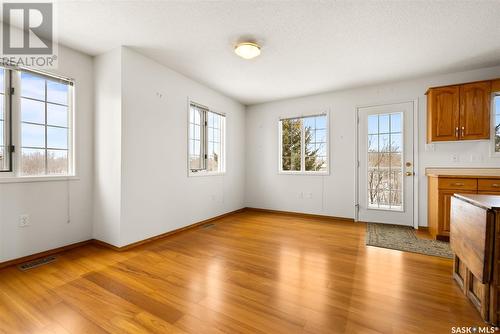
(457, 184)
(489, 185)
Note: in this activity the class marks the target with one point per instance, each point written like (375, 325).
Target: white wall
(107, 146)
(47, 202)
(141, 183)
(333, 195)
(157, 194)
(142, 186)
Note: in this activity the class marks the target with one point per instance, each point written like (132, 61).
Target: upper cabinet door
(475, 100)
(443, 113)
(495, 86)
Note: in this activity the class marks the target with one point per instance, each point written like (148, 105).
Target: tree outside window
(304, 144)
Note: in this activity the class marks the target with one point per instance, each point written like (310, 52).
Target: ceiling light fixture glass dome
(247, 50)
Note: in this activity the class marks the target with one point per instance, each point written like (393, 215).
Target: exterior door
(385, 164)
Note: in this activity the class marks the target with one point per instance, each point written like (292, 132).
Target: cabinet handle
(456, 132)
(463, 131)
(458, 184)
(496, 185)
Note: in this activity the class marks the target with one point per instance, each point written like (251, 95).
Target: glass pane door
(385, 163)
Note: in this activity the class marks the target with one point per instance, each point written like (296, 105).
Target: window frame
(402, 208)
(493, 152)
(15, 173)
(302, 170)
(204, 141)
(7, 105)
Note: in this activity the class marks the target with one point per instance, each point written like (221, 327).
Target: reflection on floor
(253, 272)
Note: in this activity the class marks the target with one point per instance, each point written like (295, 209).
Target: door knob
(409, 173)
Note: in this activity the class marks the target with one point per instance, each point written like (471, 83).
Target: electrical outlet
(430, 148)
(454, 158)
(476, 158)
(24, 220)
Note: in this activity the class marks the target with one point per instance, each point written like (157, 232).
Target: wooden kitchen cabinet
(442, 122)
(459, 112)
(495, 85)
(475, 101)
(441, 189)
(444, 183)
(491, 186)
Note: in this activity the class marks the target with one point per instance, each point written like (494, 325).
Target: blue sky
(497, 109)
(33, 87)
(383, 129)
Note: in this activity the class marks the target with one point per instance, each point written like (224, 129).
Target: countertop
(488, 202)
(464, 172)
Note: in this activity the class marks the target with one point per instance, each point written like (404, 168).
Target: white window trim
(403, 208)
(302, 153)
(15, 175)
(44, 178)
(493, 153)
(204, 172)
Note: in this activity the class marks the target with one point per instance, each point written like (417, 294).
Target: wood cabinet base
(440, 190)
(478, 293)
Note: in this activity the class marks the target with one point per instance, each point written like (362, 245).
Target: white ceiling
(308, 46)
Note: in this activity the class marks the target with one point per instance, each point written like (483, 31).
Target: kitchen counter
(487, 202)
(444, 182)
(475, 173)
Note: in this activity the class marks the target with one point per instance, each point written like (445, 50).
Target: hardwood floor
(252, 272)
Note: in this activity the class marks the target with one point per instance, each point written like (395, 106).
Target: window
(385, 165)
(5, 143)
(496, 133)
(206, 140)
(304, 144)
(45, 120)
(42, 109)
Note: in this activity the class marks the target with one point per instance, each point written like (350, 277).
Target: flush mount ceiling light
(247, 50)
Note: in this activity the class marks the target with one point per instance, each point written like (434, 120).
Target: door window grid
(385, 166)
(45, 132)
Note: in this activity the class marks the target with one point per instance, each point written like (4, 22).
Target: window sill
(304, 173)
(494, 154)
(29, 179)
(198, 174)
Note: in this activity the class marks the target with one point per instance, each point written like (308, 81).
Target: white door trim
(414, 102)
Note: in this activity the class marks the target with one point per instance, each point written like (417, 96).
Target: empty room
(243, 166)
